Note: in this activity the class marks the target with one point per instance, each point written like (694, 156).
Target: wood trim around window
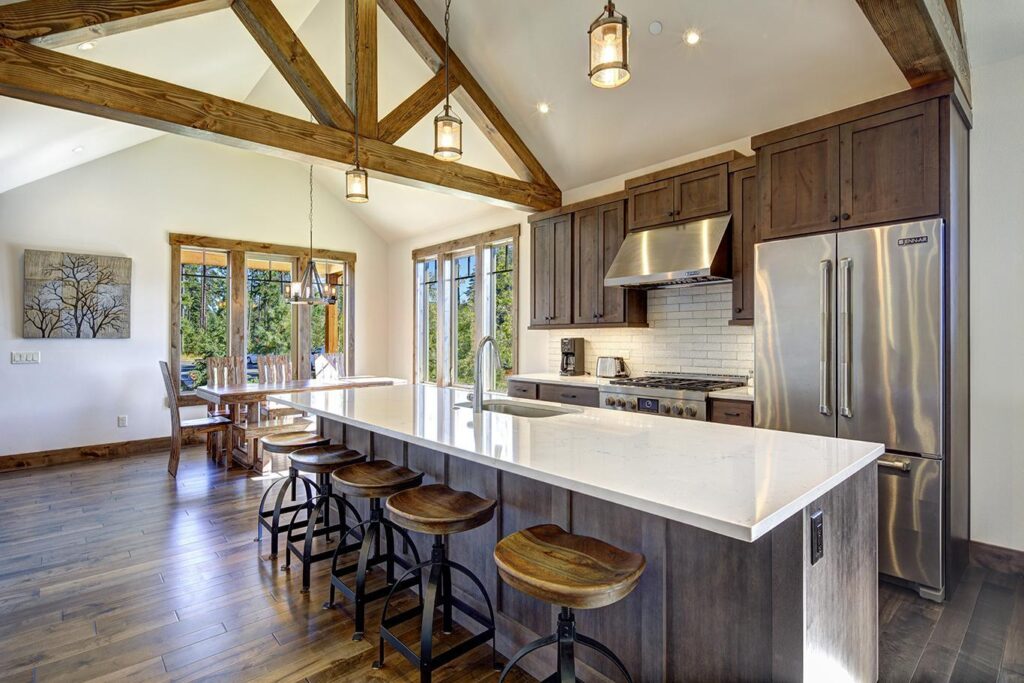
(237, 251)
(496, 235)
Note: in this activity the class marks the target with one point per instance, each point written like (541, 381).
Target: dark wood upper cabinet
(685, 197)
(702, 193)
(744, 224)
(551, 271)
(890, 166)
(799, 184)
(877, 169)
(652, 204)
(598, 234)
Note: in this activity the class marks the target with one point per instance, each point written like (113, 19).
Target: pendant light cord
(447, 18)
(311, 213)
(355, 99)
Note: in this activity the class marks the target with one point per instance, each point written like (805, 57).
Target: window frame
(238, 303)
(445, 254)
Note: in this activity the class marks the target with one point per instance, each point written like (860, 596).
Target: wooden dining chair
(330, 366)
(220, 371)
(274, 369)
(215, 428)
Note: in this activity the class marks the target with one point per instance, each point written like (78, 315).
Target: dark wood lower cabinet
(708, 607)
(740, 413)
(563, 393)
(519, 389)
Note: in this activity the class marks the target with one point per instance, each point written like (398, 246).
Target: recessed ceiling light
(78, 150)
(85, 47)
(655, 28)
(692, 37)
(543, 107)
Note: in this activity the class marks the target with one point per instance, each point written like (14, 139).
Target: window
(426, 320)
(211, 275)
(465, 290)
(203, 280)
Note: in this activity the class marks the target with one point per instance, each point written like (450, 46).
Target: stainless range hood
(685, 255)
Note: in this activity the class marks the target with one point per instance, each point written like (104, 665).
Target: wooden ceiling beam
(402, 118)
(52, 78)
(293, 61)
(57, 23)
(429, 44)
(362, 13)
(922, 38)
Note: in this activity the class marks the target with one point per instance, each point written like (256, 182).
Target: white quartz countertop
(734, 394)
(568, 380)
(735, 481)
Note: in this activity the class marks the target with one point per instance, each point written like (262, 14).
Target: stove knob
(631, 405)
(690, 411)
(620, 403)
(609, 401)
(665, 410)
(677, 410)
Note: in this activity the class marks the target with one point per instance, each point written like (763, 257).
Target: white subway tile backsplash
(689, 332)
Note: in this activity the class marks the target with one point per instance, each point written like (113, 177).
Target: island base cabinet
(708, 607)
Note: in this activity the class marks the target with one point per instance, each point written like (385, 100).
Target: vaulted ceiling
(758, 66)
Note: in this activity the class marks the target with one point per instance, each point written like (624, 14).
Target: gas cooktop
(676, 394)
(681, 382)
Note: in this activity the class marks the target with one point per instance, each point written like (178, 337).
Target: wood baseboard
(995, 557)
(106, 451)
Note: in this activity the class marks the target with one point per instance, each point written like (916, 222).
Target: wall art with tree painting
(76, 296)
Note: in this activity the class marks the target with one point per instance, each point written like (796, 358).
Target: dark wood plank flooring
(111, 570)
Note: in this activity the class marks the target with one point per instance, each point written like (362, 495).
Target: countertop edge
(741, 532)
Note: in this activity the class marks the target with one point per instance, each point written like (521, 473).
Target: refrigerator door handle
(824, 338)
(845, 340)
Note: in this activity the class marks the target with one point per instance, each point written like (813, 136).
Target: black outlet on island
(817, 535)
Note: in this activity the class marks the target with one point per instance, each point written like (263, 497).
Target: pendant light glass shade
(447, 136)
(356, 185)
(609, 49)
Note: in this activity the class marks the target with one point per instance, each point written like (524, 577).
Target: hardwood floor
(111, 570)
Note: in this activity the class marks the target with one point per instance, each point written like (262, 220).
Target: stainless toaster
(611, 366)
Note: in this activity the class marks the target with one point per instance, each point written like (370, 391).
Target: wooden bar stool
(438, 510)
(285, 442)
(375, 480)
(574, 572)
(319, 461)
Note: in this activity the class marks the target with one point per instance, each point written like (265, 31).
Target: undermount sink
(518, 409)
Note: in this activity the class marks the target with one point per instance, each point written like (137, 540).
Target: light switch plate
(24, 358)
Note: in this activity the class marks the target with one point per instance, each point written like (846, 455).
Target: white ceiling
(759, 65)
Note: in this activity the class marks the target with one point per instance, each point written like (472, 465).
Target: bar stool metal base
(271, 519)
(437, 590)
(565, 638)
(370, 556)
(318, 510)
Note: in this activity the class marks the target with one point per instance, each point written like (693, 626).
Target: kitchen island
(725, 516)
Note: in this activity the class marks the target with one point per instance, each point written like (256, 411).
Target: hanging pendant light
(310, 289)
(356, 179)
(447, 126)
(609, 48)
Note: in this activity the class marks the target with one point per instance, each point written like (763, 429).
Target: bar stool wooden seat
(319, 461)
(438, 510)
(374, 480)
(285, 442)
(574, 572)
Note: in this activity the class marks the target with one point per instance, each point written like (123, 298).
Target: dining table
(245, 399)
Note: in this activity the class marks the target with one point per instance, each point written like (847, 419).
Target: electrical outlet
(122, 420)
(24, 357)
(817, 536)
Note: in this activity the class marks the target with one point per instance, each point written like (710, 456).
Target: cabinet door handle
(834, 218)
(728, 414)
(567, 395)
(846, 216)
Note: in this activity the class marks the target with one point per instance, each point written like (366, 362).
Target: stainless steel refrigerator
(849, 336)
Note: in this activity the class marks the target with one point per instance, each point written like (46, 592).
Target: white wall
(997, 313)
(125, 205)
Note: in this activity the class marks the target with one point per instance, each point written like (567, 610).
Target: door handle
(825, 337)
(845, 339)
(892, 463)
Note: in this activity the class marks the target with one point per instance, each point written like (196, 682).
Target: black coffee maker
(572, 356)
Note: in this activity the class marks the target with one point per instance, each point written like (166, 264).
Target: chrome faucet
(478, 379)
